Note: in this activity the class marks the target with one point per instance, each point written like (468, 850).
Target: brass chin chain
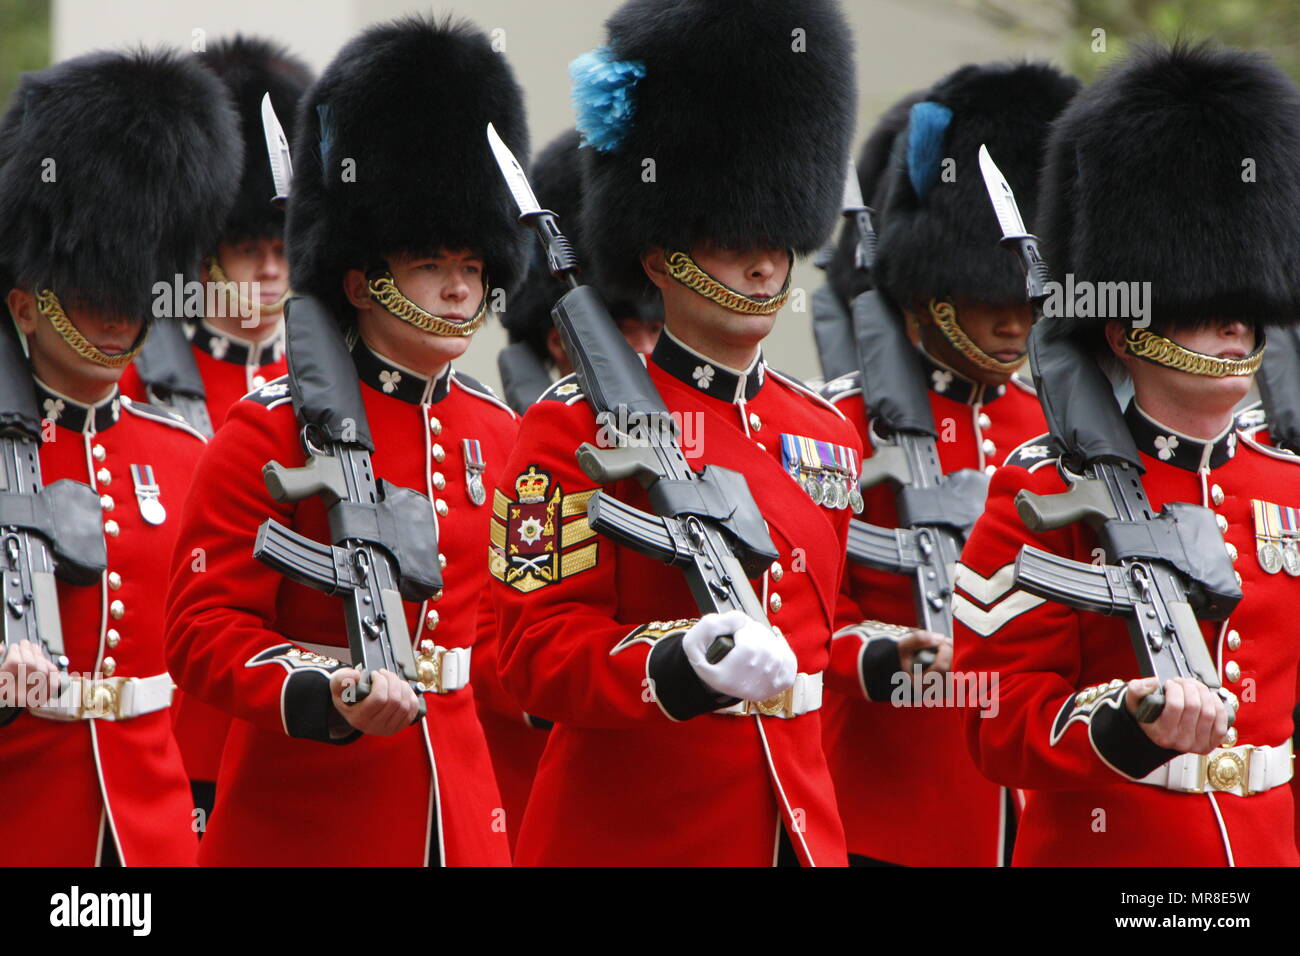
(50, 307)
(945, 317)
(384, 290)
(683, 268)
(218, 274)
(1159, 350)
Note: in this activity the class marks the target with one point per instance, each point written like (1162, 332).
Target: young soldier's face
(1226, 339)
(758, 273)
(257, 260)
(1000, 331)
(54, 361)
(449, 285)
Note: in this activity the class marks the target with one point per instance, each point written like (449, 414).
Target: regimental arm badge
(542, 535)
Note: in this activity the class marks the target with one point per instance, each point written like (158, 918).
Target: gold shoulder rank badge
(541, 535)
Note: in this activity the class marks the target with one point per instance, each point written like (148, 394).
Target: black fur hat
(873, 162)
(556, 178)
(938, 235)
(115, 174)
(746, 109)
(251, 67)
(1147, 181)
(391, 156)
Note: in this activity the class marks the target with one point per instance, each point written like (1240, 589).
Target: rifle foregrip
(322, 475)
(1049, 512)
(1151, 706)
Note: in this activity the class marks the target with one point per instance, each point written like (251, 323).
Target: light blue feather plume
(603, 97)
(925, 132)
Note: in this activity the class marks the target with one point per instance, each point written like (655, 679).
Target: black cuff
(537, 723)
(880, 662)
(1122, 742)
(309, 711)
(677, 687)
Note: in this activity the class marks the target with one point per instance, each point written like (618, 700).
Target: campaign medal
(474, 466)
(827, 472)
(146, 494)
(1276, 531)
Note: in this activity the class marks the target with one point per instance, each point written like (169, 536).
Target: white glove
(761, 665)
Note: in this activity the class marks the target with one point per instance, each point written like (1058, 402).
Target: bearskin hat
(556, 178)
(391, 157)
(1179, 167)
(251, 67)
(713, 122)
(938, 234)
(873, 162)
(115, 174)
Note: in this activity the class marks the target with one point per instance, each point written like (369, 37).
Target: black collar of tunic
(705, 375)
(1182, 451)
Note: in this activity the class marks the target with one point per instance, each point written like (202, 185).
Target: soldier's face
(641, 335)
(1000, 331)
(55, 362)
(257, 260)
(449, 285)
(758, 273)
(1226, 339)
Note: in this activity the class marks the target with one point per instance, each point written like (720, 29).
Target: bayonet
(277, 151)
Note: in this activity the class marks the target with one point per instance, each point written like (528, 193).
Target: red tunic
(908, 790)
(230, 368)
(64, 782)
(1077, 750)
(591, 638)
(423, 795)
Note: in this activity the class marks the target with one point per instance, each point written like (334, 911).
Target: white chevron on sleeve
(984, 622)
(985, 590)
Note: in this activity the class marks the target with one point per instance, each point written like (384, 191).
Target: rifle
(45, 531)
(704, 522)
(832, 326)
(385, 542)
(171, 376)
(1163, 570)
(523, 377)
(935, 511)
(1279, 388)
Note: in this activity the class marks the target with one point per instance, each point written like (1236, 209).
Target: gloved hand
(761, 665)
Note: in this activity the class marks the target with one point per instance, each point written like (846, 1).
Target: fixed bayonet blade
(1004, 200)
(852, 191)
(277, 150)
(514, 174)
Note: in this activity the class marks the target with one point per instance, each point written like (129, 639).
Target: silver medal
(1270, 557)
(477, 493)
(1291, 560)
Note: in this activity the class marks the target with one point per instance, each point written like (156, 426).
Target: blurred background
(902, 45)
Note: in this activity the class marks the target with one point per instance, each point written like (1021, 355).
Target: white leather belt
(804, 696)
(443, 670)
(1241, 770)
(108, 698)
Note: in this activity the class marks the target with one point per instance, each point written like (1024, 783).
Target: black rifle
(935, 511)
(171, 376)
(1279, 387)
(523, 376)
(1163, 570)
(832, 326)
(704, 522)
(385, 542)
(45, 531)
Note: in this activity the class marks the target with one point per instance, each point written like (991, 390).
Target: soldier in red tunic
(239, 345)
(1144, 179)
(907, 789)
(232, 359)
(733, 157)
(95, 777)
(398, 221)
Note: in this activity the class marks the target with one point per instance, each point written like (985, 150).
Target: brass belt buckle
(99, 698)
(782, 705)
(428, 666)
(1226, 771)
